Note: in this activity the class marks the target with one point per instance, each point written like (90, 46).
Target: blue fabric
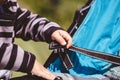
(99, 31)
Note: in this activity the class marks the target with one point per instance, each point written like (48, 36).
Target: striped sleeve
(14, 58)
(32, 26)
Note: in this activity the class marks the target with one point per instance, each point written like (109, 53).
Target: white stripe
(24, 11)
(19, 59)
(5, 73)
(6, 29)
(12, 0)
(19, 31)
(13, 8)
(6, 40)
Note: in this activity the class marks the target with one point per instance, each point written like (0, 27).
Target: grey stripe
(33, 22)
(29, 59)
(5, 20)
(1, 42)
(19, 59)
(6, 56)
(41, 29)
(51, 24)
(30, 25)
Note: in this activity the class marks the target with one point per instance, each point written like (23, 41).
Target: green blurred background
(60, 11)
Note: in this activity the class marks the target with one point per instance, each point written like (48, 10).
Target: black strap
(65, 59)
(50, 59)
(59, 52)
(100, 55)
(62, 53)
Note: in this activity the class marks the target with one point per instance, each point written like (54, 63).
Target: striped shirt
(21, 23)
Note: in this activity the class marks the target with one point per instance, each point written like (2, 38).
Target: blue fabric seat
(100, 31)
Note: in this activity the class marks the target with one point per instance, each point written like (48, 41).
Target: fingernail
(64, 43)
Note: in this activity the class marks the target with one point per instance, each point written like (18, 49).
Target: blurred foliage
(60, 11)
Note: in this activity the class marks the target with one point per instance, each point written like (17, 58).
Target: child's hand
(62, 37)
